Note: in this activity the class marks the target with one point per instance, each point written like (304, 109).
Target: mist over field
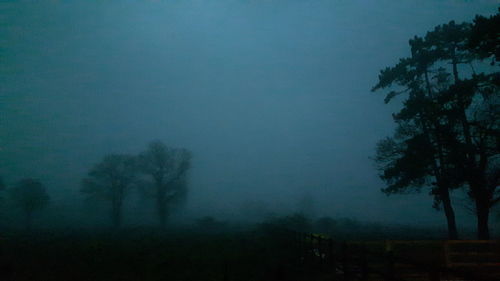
(272, 99)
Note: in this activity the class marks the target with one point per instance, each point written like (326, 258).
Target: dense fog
(272, 99)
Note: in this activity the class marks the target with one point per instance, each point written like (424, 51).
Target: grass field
(144, 255)
(259, 253)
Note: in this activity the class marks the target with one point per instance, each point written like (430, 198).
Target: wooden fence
(465, 260)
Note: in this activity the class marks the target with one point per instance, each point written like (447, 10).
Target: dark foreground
(262, 254)
(143, 255)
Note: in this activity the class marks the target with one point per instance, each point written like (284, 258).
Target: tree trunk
(116, 208)
(449, 212)
(161, 206)
(482, 212)
(482, 198)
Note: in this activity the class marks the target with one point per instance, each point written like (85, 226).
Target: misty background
(272, 98)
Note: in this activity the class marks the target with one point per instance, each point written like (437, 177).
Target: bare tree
(30, 196)
(109, 180)
(167, 169)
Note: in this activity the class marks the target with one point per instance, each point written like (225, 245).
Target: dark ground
(266, 252)
(147, 255)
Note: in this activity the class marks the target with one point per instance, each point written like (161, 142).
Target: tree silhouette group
(159, 167)
(448, 129)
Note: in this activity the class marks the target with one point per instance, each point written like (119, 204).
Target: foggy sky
(272, 97)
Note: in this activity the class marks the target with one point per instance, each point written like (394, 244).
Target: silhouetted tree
(481, 125)
(416, 155)
(109, 180)
(473, 100)
(30, 196)
(484, 39)
(167, 169)
(448, 127)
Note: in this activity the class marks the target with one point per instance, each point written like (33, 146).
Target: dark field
(266, 252)
(143, 255)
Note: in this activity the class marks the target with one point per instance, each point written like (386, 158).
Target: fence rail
(465, 260)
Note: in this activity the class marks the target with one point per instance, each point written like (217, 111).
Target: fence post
(446, 252)
(320, 251)
(303, 245)
(299, 244)
(390, 266)
(345, 261)
(311, 249)
(364, 263)
(331, 257)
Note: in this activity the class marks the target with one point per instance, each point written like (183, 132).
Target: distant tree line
(448, 129)
(343, 228)
(159, 170)
(28, 195)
